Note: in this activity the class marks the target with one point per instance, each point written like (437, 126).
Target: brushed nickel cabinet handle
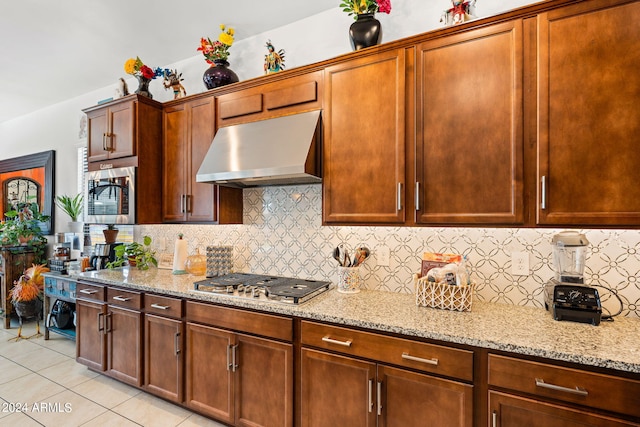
(399, 197)
(494, 419)
(229, 358)
(379, 397)
(407, 356)
(121, 298)
(337, 342)
(543, 192)
(100, 324)
(370, 395)
(177, 343)
(104, 142)
(88, 291)
(417, 196)
(234, 358)
(160, 307)
(577, 390)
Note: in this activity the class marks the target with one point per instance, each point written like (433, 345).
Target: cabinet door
(588, 127)
(410, 399)
(209, 380)
(264, 382)
(91, 341)
(98, 126)
(174, 159)
(122, 124)
(469, 153)
(200, 196)
(507, 410)
(336, 391)
(124, 345)
(163, 353)
(364, 143)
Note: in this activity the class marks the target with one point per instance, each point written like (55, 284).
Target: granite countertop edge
(504, 327)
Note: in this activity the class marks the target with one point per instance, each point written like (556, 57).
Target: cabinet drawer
(431, 358)
(124, 298)
(294, 95)
(163, 306)
(570, 385)
(267, 325)
(60, 287)
(90, 291)
(228, 109)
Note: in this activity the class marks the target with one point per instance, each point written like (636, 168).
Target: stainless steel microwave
(110, 196)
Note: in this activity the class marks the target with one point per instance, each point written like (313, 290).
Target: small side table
(58, 286)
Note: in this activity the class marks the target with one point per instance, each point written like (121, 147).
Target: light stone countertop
(516, 329)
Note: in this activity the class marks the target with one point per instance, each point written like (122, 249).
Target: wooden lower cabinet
(508, 410)
(108, 338)
(340, 390)
(124, 345)
(238, 379)
(91, 341)
(164, 357)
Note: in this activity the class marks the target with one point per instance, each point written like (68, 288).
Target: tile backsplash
(282, 235)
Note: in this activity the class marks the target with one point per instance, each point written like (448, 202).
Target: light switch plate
(520, 263)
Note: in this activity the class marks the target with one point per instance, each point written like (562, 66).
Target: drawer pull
(407, 356)
(88, 291)
(578, 390)
(332, 341)
(120, 298)
(160, 307)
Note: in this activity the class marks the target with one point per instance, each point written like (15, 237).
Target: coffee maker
(566, 295)
(103, 253)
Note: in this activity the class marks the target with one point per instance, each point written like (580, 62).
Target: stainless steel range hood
(280, 151)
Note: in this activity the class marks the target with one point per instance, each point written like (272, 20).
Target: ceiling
(52, 51)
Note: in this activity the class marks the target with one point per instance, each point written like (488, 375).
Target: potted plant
(26, 296)
(72, 206)
(135, 254)
(110, 233)
(22, 227)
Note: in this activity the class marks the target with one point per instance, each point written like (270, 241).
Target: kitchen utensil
(336, 255)
(360, 255)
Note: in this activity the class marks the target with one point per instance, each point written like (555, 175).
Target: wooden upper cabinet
(364, 140)
(111, 131)
(188, 130)
(589, 114)
(291, 95)
(469, 130)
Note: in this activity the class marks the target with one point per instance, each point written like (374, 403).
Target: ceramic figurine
(273, 61)
(461, 11)
(123, 89)
(172, 80)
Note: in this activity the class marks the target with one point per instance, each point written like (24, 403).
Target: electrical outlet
(162, 243)
(520, 263)
(382, 256)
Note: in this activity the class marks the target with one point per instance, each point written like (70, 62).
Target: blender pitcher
(569, 254)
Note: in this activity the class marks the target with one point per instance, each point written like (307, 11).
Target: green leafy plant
(135, 253)
(22, 228)
(72, 206)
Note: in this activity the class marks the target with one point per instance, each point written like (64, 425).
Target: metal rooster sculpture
(26, 296)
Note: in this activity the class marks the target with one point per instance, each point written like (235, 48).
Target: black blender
(566, 295)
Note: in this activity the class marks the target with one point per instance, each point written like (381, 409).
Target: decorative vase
(219, 74)
(365, 31)
(143, 87)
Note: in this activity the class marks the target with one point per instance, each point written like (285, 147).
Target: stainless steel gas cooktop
(261, 287)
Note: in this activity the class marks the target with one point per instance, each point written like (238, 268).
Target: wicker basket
(442, 295)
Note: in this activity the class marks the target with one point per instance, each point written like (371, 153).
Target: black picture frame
(46, 160)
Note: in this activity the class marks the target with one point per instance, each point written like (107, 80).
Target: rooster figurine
(26, 296)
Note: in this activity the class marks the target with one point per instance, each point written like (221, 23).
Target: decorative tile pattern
(282, 234)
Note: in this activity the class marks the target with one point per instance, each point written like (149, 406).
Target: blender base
(572, 302)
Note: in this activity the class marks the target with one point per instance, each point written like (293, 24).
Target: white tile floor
(42, 385)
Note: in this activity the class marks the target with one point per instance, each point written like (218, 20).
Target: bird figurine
(26, 296)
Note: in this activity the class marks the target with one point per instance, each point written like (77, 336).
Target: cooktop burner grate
(265, 287)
